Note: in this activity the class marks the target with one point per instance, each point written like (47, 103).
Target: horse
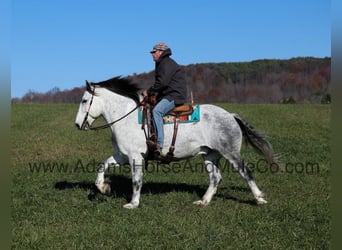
(217, 134)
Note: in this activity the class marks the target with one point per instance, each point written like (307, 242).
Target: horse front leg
(113, 161)
(211, 162)
(137, 181)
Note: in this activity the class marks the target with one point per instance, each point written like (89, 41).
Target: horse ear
(88, 87)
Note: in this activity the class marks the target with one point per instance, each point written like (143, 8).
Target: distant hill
(296, 80)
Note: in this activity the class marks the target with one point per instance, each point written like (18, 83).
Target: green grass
(55, 209)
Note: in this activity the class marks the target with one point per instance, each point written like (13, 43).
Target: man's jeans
(158, 112)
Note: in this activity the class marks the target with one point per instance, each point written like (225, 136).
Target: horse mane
(121, 86)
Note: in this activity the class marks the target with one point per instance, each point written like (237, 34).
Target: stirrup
(158, 150)
(151, 145)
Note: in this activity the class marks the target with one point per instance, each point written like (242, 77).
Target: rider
(169, 88)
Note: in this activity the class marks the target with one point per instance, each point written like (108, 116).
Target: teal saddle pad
(169, 119)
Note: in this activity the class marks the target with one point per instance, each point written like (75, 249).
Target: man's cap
(159, 46)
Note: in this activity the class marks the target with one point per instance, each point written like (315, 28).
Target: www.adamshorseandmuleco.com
(93, 166)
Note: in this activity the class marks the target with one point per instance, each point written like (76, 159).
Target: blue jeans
(158, 112)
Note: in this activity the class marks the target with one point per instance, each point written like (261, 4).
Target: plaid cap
(159, 46)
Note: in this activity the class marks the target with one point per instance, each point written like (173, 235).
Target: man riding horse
(169, 89)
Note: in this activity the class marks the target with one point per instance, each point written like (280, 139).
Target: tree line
(295, 80)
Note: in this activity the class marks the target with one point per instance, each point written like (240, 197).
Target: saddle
(150, 132)
(185, 109)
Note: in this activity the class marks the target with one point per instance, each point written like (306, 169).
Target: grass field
(54, 168)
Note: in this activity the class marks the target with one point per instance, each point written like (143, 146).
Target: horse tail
(256, 139)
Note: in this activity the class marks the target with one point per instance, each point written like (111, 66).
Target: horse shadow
(121, 187)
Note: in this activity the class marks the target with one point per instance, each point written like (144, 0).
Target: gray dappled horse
(217, 134)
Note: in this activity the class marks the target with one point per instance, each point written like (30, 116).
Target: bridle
(107, 125)
(85, 123)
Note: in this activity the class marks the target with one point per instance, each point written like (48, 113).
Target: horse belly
(189, 140)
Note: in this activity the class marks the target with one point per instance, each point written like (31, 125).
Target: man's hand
(144, 93)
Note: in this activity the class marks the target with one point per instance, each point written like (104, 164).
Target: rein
(107, 125)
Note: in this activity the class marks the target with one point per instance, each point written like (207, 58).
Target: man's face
(156, 54)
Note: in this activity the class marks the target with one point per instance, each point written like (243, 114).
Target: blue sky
(63, 43)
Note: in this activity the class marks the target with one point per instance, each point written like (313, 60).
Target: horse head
(89, 109)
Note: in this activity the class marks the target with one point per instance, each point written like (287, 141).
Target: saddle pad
(169, 119)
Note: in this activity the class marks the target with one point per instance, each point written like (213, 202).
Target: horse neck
(116, 106)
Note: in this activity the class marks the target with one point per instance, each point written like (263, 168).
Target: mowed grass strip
(54, 168)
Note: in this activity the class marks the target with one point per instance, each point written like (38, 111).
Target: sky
(63, 43)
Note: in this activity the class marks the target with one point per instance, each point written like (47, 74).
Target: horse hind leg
(246, 174)
(211, 162)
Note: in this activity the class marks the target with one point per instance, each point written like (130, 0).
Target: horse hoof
(130, 206)
(261, 201)
(105, 189)
(201, 203)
